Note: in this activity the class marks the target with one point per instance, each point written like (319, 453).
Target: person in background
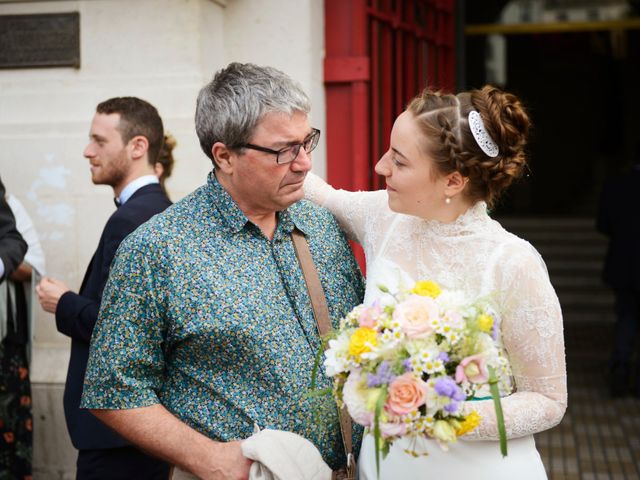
(34, 261)
(15, 396)
(619, 219)
(16, 356)
(164, 165)
(124, 143)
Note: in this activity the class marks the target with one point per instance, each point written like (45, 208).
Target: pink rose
(369, 315)
(406, 394)
(472, 369)
(394, 428)
(415, 315)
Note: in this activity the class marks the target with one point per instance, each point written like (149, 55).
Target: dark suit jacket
(12, 246)
(76, 314)
(619, 218)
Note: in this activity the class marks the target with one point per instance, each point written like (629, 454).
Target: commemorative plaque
(42, 40)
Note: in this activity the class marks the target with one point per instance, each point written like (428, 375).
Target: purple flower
(494, 330)
(452, 407)
(447, 387)
(383, 376)
(407, 365)
(443, 356)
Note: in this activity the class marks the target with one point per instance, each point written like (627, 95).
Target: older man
(206, 328)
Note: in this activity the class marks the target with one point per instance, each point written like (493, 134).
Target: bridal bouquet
(404, 367)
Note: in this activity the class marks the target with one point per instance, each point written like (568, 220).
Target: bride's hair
(444, 119)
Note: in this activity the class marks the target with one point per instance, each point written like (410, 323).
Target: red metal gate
(379, 54)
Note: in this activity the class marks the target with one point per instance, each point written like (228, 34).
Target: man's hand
(227, 462)
(49, 291)
(157, 431)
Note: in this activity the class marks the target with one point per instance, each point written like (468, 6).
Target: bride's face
(413, 184)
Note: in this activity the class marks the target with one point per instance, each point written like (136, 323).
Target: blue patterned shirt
(207, 316)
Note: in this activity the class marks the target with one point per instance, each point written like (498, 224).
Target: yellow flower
(361, 341)
(444, 432)
(426, 288)
(469, 424)
(485, 322)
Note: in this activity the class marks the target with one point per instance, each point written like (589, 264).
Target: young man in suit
(125, 139)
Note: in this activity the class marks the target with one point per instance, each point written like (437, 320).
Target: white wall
(162, 51)
(288, 35)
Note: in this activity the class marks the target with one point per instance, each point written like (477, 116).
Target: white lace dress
(476, 255)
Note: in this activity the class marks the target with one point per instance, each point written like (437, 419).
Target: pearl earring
(447, 200)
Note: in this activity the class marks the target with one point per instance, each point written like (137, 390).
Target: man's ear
(455, 184)
(223, 158)
(139, 146)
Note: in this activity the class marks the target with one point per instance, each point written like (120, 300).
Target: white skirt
(480, 460)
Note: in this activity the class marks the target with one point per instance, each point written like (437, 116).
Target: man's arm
(157, 431)
(127, 369)
(76, 315)
(12, 245)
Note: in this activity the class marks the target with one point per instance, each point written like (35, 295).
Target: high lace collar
(473, 221)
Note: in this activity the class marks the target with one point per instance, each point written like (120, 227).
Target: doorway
(580, 88)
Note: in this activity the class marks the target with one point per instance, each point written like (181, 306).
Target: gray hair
(230, 107)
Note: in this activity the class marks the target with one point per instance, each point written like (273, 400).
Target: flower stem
(495, 394)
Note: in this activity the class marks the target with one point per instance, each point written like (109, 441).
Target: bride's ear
(455, 184)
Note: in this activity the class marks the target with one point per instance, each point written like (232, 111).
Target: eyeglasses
(290, 153)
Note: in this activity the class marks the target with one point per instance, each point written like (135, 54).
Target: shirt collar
(135, 185)
(296, 216)
(229, 211)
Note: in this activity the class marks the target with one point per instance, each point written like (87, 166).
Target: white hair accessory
(479, 132)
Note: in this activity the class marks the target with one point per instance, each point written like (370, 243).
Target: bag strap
(321, 314)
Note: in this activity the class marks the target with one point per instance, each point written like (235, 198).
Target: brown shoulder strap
(321, 314)
(318, 300)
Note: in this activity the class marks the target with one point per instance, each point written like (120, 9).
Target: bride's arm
(353, 210)
(532, 335)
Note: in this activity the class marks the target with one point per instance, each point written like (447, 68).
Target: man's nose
(302, 163)
(88, 152)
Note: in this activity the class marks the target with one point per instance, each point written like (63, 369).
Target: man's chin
(292, 197)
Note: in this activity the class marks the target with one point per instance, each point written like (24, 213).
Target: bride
(449, 158)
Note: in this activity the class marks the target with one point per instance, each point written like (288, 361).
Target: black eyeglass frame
(313, 138)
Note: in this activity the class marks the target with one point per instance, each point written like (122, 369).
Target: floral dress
(16, 423)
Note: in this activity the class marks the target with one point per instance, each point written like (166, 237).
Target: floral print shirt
(207, 316)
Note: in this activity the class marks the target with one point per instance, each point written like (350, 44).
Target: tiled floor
(599, 437)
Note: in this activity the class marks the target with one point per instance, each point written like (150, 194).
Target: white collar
(135, 185)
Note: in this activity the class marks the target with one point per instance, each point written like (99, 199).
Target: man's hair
(137, 117)
(230, 107)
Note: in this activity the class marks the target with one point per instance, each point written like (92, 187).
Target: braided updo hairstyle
(443, 118)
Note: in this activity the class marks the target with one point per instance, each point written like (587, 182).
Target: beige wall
(162, 51)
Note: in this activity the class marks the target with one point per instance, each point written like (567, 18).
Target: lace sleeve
(353, 210)
(532, 335)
